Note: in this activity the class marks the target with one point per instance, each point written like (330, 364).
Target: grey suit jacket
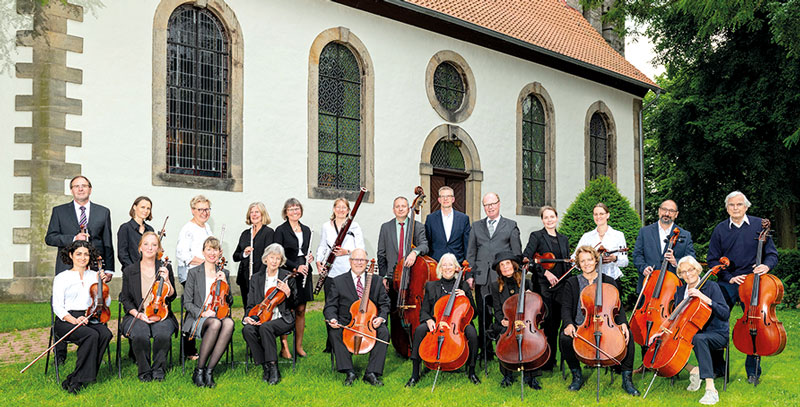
(388, 245)
(482, 248)
(194, 294)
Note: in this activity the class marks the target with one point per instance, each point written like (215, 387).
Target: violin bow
(597, 348)
(54, 345)
(360, 333)
(574, 266)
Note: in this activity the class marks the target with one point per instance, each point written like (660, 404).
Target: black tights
(216, 335)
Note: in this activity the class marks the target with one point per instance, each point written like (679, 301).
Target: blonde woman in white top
(609, 238)
(330, 230)
(189, 252)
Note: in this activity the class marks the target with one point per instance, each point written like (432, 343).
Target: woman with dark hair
(130, 233)
(251, 246)
(608, 238)
(71, 299)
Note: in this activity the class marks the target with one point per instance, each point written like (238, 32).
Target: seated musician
(260, 334)
(434, 290)
(344, 291)
(714, 334)
(215, 333)
(509, 279)
(572, 316)
(137, 280)
(71, 299)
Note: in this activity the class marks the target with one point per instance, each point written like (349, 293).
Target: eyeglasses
(359, 261)
(491, 204)
(668, 210)
(293, 209)
(203, 210)
(446, 196)
(80, 186)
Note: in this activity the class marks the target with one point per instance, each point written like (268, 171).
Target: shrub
(788, 271)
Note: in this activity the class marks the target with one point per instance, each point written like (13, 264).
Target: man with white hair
(737, 239)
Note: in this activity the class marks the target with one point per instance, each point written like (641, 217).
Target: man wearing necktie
(395, 241)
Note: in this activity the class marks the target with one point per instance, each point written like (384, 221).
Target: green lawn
(314, 384)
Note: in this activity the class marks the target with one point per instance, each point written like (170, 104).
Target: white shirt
(270, 282)
(613, 240)
(738, 225)
(447, 222)
(353, 240)
(189, 246)
(662, 234)
(496, 223)
(70, 293)
(299, 242)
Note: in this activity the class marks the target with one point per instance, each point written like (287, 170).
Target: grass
(21, 316)
(314, 384)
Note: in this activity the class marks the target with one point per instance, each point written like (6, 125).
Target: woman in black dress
(130, 233)
(251, 246)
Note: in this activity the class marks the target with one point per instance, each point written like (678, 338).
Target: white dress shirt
(738, 225)
(447, 222)
(354, 239)
(613, 240)
(189, 246)
(71, 293)
(663, 233)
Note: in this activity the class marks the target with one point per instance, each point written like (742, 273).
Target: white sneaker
(711, 397)
(694, 382)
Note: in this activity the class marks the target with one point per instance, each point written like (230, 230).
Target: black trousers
(261, 339)
(92, 341)
(707, 349)
(484, 312)
(344, 359)
(244, 289)
(572, 361)
(551, 324)
(469, 331)
(139, 338)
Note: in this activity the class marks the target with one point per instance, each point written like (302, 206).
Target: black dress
(128, 238)
(286, 237)
(263, 238)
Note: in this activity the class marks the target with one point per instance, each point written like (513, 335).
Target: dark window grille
(534, 152)
(448, 85)
(339, 119)
(446, 155)
(598, 147)
(198, 61)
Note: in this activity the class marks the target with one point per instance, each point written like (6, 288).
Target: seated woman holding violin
(147, 292)
(71, 300)
(268, 314)
(207, 299)
(434, 290)
(714, 334)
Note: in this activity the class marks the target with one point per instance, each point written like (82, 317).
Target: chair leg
(294, 351)
(119, 340)
(49, 342)
(727, 367)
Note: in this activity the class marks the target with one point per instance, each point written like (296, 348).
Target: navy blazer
(437, 239)
(647, 251)
(64, 226)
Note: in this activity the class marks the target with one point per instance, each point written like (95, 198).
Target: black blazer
(261, 240)
(286, 237)
(434, 291)
(131, 294)
(342, 295)
(570, 298)
(499, 298)
(64, 226)
(128, 238)
(437, 239)
(539, 242)
(256, 293)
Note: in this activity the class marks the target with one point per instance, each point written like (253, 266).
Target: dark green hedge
(788, 271)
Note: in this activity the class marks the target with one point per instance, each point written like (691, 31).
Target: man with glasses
(489, 236)
(447, 229)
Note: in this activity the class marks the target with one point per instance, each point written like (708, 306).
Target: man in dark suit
(489, 236)
(395, 232)
(447, 229)
(344, 291)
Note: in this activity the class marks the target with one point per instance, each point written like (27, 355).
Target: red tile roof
(549, 24)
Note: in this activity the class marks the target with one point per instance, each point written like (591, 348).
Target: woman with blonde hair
(251, 246)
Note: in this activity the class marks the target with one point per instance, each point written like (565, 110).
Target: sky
(639, 52)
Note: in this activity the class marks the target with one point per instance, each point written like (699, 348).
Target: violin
(446, 347)
(216, 300)
(758, 332)
(158, 309)
(658, 296)
(548, 261)
(161, 234)
(359, 335)
(272, 298)
(98, 312)
(671, 346)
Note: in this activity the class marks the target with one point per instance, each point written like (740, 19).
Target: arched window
(598, 146)
(534, 152)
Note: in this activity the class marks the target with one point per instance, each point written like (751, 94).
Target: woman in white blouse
(330, 230)
(609, 238)
(71, 299)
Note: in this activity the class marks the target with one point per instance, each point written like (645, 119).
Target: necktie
(491, 226)
(400, 252)
(359, 287)
(82, 221)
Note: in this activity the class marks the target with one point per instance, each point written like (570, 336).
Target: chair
(54, 338)
(249, 356)
(228, 352)
(725, 376)
(121, 335)
(485, 335)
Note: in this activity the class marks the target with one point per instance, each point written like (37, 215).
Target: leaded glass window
(598, 146)
(198, 62)
(339, 118)
(446, 155)
(534, 152)
(448, 86)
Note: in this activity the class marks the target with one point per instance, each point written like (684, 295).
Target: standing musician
(434, 290)
(130, 233)
(295, 238)
(214, 332)
(509, 280)
(344, 291)
(609, 238)
(391, 241)
(260, 335)
(714, 334)
(447, 229)
(251, 246)
(572, 316)
(737, 239)
(548, 240)
(137, 280)
(71, 299)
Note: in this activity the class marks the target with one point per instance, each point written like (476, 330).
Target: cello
(523, 345)
(658, 296)
(272, 298)
(409, 284)
(359, 335)
(758, 332)
(98, 312)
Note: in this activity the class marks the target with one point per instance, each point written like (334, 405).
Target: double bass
(98, 312)
(409, 284)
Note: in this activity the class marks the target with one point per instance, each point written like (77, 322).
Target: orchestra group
(445, 293)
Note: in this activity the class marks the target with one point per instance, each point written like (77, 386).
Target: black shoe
(61, 359)
(199, 377)
(65, 384)
(627, 383)
(74, 388)
(146, 377)
(372, 379)
(158, 375)
(265, 374)
(577, 380)
(274, 373)
(754, 380)
(412, 381)
(533, 382)
(209, 376)
(351, 377)
(507, 381)
(473, 378)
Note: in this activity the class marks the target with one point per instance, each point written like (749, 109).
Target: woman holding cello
(71, 299)
(140, 287)
(215, 332)
(573, 316)
(434, 290)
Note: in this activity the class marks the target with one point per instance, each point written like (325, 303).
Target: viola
(359, 335)
(446, 347)
(409, 284)
(272, 298)
(671, 346)
(657, 294)
(98, 312)
(758, 332)
(323, 272)
(158, 309)
(601, 341)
